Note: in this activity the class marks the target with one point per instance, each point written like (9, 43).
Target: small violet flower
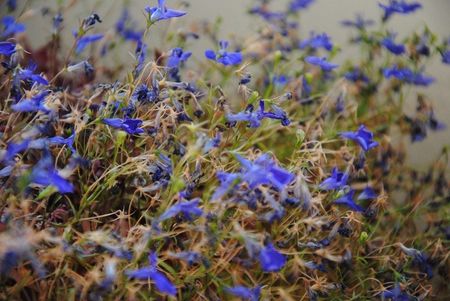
(245, 293)
(188, 208)
(395, 294)
(224, 57)
(359, 22)
(408, 76)
(129, 125)
(320, 62)
(337, 180)
(270, 259)
(7, 48)
(362, 136)
(34, 104)
(162, 283)
(161, 12)
(44, 173)
(389, 44)
(297, 5)
(399, 7)
(347, 200)
(11, 27)
(84, 41)
(317, 41)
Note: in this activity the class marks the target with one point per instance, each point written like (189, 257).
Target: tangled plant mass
(258, 169)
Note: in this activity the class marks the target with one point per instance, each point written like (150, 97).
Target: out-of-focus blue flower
(362, 136)
(161, 12)
(12, 5)
(367, 194)
(395, 294)
(176, 57)
(64, 141)
(227, 183)
(34, 104)
(28, 74)
(355, 75)
(188, 208)
(264, 171)
(224, 57)
(12, 149)
(408, 76)
(57, 21)
(297, 5)
(435, 124)
(321, 62)
(245, 293)
(358, 23)
(399, 7)
(163, 284)
(44, 173)
(347, 200)
(254, 117)
(11, 27)
(420, 259)
(317, 41)
(7, 48)
(266, 14)
(84, 66)
(128, 32)
(446, 57)
(314, 266)
(90, 21)
(129, 125)
(337, 180)
(84, 41)
(270, 259)
(389, 44)
(143, 94)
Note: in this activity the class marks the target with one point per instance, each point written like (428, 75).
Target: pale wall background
(324, 15)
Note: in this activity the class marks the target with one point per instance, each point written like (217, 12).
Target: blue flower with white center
(250, 294)
(270, 259)
(161, 12)
(389, 43)
(129, 125)
(317, 41)
(359, 22)
(362, 136)
(84, 41)
(84, 66)
(321, 62)
(337, 180)
(11, 27)
(223, 56)
(90, 21)
(34, 104)
(187, 208)
(395, 294)
(44, 173)
(408, 76)
(399, 7)
(367, 194)
(163, 284)
(7, 48)
(297, 5)
(347, 200)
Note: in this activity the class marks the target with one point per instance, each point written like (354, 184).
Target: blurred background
(322, 16)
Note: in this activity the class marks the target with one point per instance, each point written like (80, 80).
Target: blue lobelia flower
(297, 5)
(321, 62)
(362, 136)
(367, 194)
(34, 104)
(189, 257)
(408, 76)
(11, 27)
(141, 53)
(127, 32)
(176, 57)
(270, 259)
(44, 173)
(57, 21)
(58, 140)
(129, 125)
(317, 41)
(162, 283)
(264, 171)
(84, 66)
(389, 43)
(28, 74)
(12, 149)
(227, 182)
(161, 12)
(143, 94)
(399, 7)
(250, 294)
(12, 4)
(420, 259)
(188, 208)
(7, 48)
(224, 57)
(359, 22)
(84, 41)
(356, 75)
(337, 180)
(254, 117)
(395, 294)
(347, 200)
(446, 57)
(90, 21)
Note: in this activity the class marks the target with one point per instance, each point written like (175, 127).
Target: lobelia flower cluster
(261, 170)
